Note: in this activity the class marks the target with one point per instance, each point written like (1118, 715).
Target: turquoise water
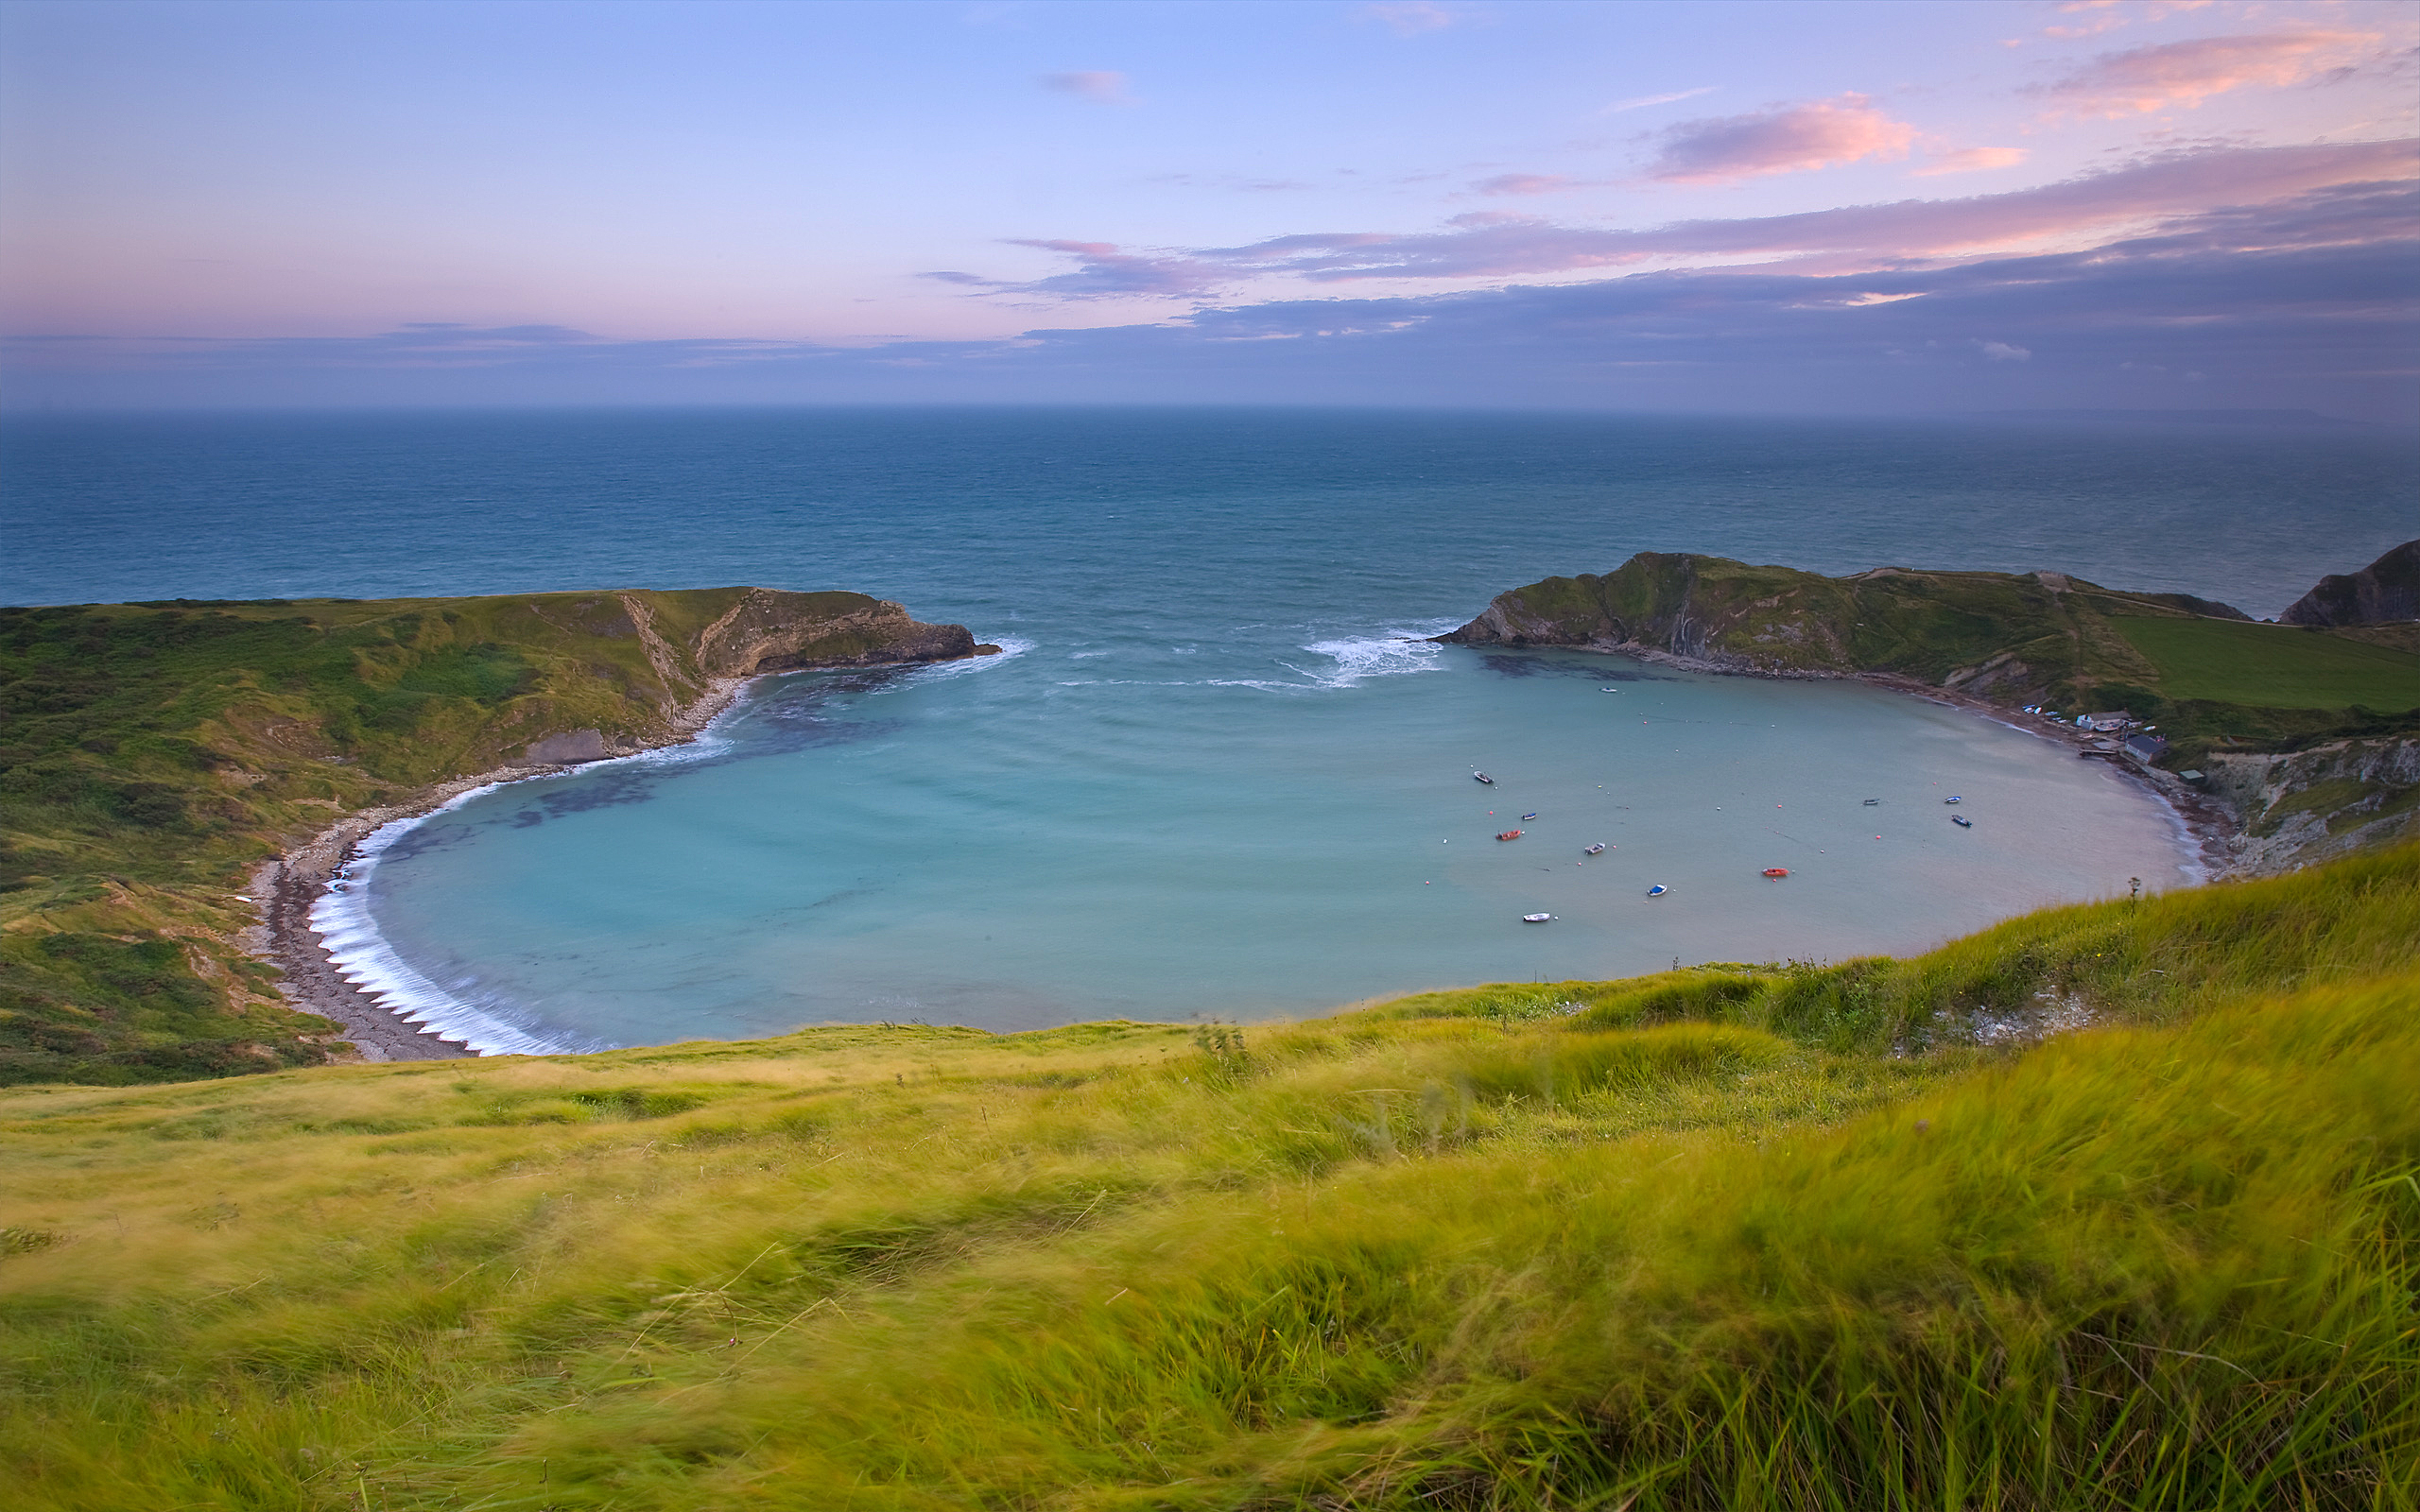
(1035, 839)
(1213, 778)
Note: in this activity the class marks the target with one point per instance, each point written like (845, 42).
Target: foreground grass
(1716, 1238)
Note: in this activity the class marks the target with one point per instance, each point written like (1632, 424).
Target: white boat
(1596, 849)
(1536, 918)
(1482, 777)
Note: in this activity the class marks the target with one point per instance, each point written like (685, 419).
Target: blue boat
(1659, 890)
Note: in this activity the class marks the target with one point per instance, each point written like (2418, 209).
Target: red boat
(1510, 835)
(1776, 871)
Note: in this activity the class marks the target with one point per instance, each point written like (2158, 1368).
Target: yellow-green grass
(2273, 665)
(1725, 1237)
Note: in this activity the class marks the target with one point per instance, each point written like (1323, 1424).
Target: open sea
(1216, 774)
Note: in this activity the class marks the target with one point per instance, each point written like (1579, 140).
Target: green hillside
(1728, 1237)
(2205, 674)
(149, 754)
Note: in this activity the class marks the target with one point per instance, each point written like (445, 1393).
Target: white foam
(1009, 649)
(363, 956)
(1388, 653)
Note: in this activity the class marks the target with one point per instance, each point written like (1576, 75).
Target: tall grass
(1736, 1237)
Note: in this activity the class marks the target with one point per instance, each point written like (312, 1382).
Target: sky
(1727, 205)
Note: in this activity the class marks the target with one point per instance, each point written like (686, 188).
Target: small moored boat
(1536, 918)
(1659, 890)
(1953, 799)
(1482, 777)
(1508, 834)
(1961, 821)
(1527, 817)
(1776, 871)
(1596, 849)
(1872, 801)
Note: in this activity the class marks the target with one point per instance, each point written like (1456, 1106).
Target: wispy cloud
(2096, 16)
(1970, 159)
(2181, 75)
(1103, 270)
(1645, 100)
(1821, 134)
(2307, 301)
(1102, 87)
(2138, 195)
(1409, 18)
(1524, 183)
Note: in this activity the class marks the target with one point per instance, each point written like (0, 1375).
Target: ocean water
(1217, 773)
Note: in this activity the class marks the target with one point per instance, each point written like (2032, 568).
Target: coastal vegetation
(2214, 681)
(150, 754)
(1865, 1235)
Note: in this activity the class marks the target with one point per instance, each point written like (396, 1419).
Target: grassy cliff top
(1734, 1236)
(151, 753)
(2208, 677)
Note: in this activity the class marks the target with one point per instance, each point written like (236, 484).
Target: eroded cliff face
(2387, 591)
(2308, 806)
(692, 645)
(767, 630)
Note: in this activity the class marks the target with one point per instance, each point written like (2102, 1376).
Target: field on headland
(2271, 665)
(1848, 1236)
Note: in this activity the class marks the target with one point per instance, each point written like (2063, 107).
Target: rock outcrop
(2307, 806)
(767, 630)
(2387, 591)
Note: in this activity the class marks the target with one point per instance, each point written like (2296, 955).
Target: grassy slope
(149, 754)
(2010, 639)
(1716, 1238)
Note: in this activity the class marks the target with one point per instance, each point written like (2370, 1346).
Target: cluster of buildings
(2136, 740)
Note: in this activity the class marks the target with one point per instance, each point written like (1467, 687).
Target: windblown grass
(1731, 1237)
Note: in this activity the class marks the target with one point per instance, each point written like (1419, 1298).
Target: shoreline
(291, 885)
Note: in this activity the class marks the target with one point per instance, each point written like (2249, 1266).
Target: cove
(1272, 822)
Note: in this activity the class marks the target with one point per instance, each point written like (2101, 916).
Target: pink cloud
(2181, 75)
(2197, 185)
(1099, 86)
(1725, 149)
(1968, 159)
(1524, 183)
